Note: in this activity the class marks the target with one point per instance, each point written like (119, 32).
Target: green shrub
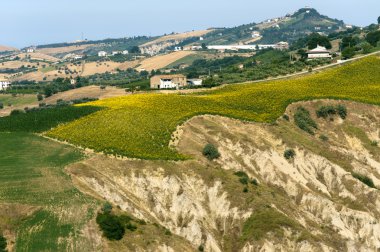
(289, 154)
(342, 111)
(111, 226)
(364, 179)
(131, 227)
(17, 112)
(211, 152)
(1, 105)
(374, 143)
(245, 190)
(107, 208)
(323, 138)
(303, 120)
(285, 117)
(244, 180)
(255, 182)
(40, 97)
(201, 248)
(3, 244)
(325, 111)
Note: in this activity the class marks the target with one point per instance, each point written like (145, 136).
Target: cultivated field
(38, 56)
(7, 48)
(179, 36)
(66, 49)
(17, 100)
(162, 61)
(16, 64)
(33, 181)
(142, 125)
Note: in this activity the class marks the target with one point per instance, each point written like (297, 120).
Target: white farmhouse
(319, 52)
(78, 56)
(125, 52)
(102, 54)
(256, 34)
(31, 49)
(194, 82)
(168, 81)
(4, 85)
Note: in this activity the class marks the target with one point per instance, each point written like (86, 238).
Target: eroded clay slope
(309, 203)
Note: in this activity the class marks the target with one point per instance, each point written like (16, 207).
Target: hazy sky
(27, 22)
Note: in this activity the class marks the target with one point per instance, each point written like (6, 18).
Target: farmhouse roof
(170, 76)
(319, 49)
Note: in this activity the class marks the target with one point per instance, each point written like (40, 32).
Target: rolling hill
(7, 48)
(252, 197)
(287, 28)
(149, 137)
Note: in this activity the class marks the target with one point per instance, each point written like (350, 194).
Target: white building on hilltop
(102, 54)
(319, 52)
(4, 85)
(31, 49)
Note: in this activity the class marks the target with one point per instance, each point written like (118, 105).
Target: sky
(35, 22)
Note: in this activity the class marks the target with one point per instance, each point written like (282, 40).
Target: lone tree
(378, 20)
(210, 152)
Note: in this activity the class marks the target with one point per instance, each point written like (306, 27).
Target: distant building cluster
(105, 54)
(277, 46)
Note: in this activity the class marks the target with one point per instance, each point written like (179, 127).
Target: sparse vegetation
(303, 120)
(374, 143)
(243, 177)
(324, 138)
(364, 179)
(255, 182)
(210, 152)
(264, 221)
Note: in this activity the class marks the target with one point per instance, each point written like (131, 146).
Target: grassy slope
(19, 100)
(187, 60)
(141, 125)
(31, 173)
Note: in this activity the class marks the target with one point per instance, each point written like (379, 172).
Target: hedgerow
(42, 119)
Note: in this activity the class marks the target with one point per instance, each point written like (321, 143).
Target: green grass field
(7, 99)
(141, 125)
(31, 173)
(187, 60)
